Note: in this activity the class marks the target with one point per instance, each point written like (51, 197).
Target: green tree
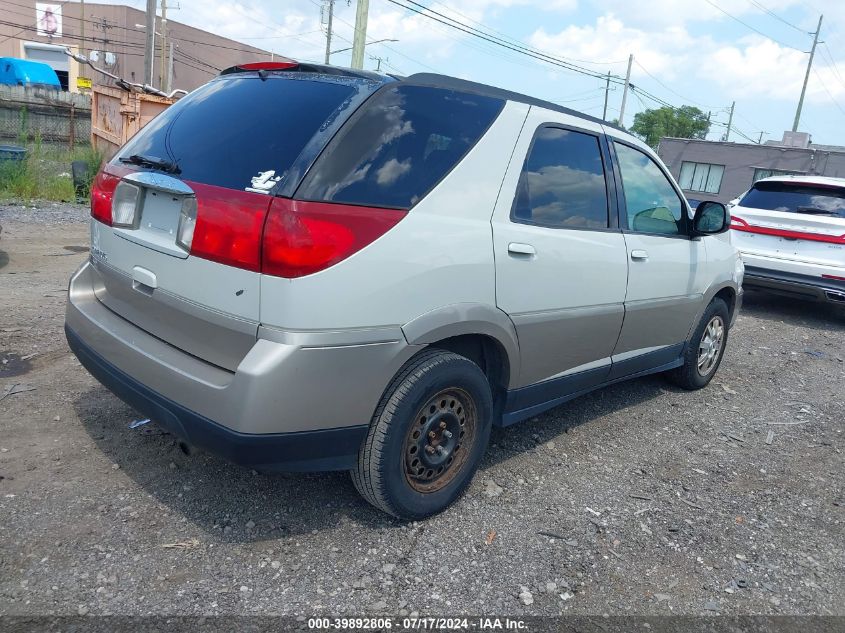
(683, 122)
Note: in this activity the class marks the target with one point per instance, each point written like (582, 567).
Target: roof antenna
(262, 74)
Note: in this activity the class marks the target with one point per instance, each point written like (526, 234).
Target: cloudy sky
(687, 52)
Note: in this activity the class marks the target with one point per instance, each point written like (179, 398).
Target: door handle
(639, 255)
(518, 248)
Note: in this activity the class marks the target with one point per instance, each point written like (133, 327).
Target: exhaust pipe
(836, 297)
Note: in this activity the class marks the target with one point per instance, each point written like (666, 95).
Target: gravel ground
(637, 499)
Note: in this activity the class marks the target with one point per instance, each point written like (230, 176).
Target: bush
(46, 173)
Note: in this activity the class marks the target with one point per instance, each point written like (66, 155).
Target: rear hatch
(179, 211)
(792, 220)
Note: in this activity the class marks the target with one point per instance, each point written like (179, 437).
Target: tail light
(275, 236)
(225, 226)
(301, 238)
(102, 193)
(124, 204)
(738, 224)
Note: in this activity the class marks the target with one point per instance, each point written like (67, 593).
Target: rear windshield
(244, 132)
(796, 198)
(399, 146)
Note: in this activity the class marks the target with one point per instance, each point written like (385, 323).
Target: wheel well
(484, 351)
(729, 297)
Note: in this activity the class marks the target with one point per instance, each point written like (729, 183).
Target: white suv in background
(303, 267)
(790, 231)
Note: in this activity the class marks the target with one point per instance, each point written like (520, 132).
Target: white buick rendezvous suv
(302, 267)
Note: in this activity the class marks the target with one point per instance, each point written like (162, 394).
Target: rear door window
(790, 197)
(562, 184)
(399, 146)
(244, 132)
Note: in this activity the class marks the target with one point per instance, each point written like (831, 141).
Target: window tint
(403, 141)
(702, 177)
(652, 204)
(562, 183)
(241, 129)
(796, 198)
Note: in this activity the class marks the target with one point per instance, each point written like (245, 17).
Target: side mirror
(711, 218)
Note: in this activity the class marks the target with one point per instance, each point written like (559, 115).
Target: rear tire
(427, 436)
(705, 350)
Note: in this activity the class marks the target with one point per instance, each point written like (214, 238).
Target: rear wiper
(816, 211)
(152, 161)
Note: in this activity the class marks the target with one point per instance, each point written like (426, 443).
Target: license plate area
(157, 213)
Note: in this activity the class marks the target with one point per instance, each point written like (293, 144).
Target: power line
(272, 26)
(748, 26)
(507, 37)
(677, 94)
(826, 51)
(13, 35)
(469, 30)
(76, 38)
(777, 17)
(829, 94)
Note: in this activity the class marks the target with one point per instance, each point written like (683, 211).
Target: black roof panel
(453, 83)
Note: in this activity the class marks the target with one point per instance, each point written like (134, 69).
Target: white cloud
(750, 68)
(762, 68)
(610, 40)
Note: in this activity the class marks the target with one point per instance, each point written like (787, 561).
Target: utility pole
(606, 93)
(149, 49)
(170, 70)
(378, 61)
(625, 91)
(359, 41)
(162, 69)
(730, 122)
(807, 75)
(330, 4)
(82, 26)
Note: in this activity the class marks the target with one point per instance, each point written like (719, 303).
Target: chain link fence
(32, 115)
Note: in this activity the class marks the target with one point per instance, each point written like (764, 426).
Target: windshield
(246, 132)
(790, 197)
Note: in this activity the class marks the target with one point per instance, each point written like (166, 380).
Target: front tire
(427, 436)
(705, 350)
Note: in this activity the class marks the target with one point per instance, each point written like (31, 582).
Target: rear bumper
(327, 449)
(797, 285)
(303, 402)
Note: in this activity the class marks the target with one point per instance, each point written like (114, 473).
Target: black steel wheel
(433, 447)
(427, 436)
